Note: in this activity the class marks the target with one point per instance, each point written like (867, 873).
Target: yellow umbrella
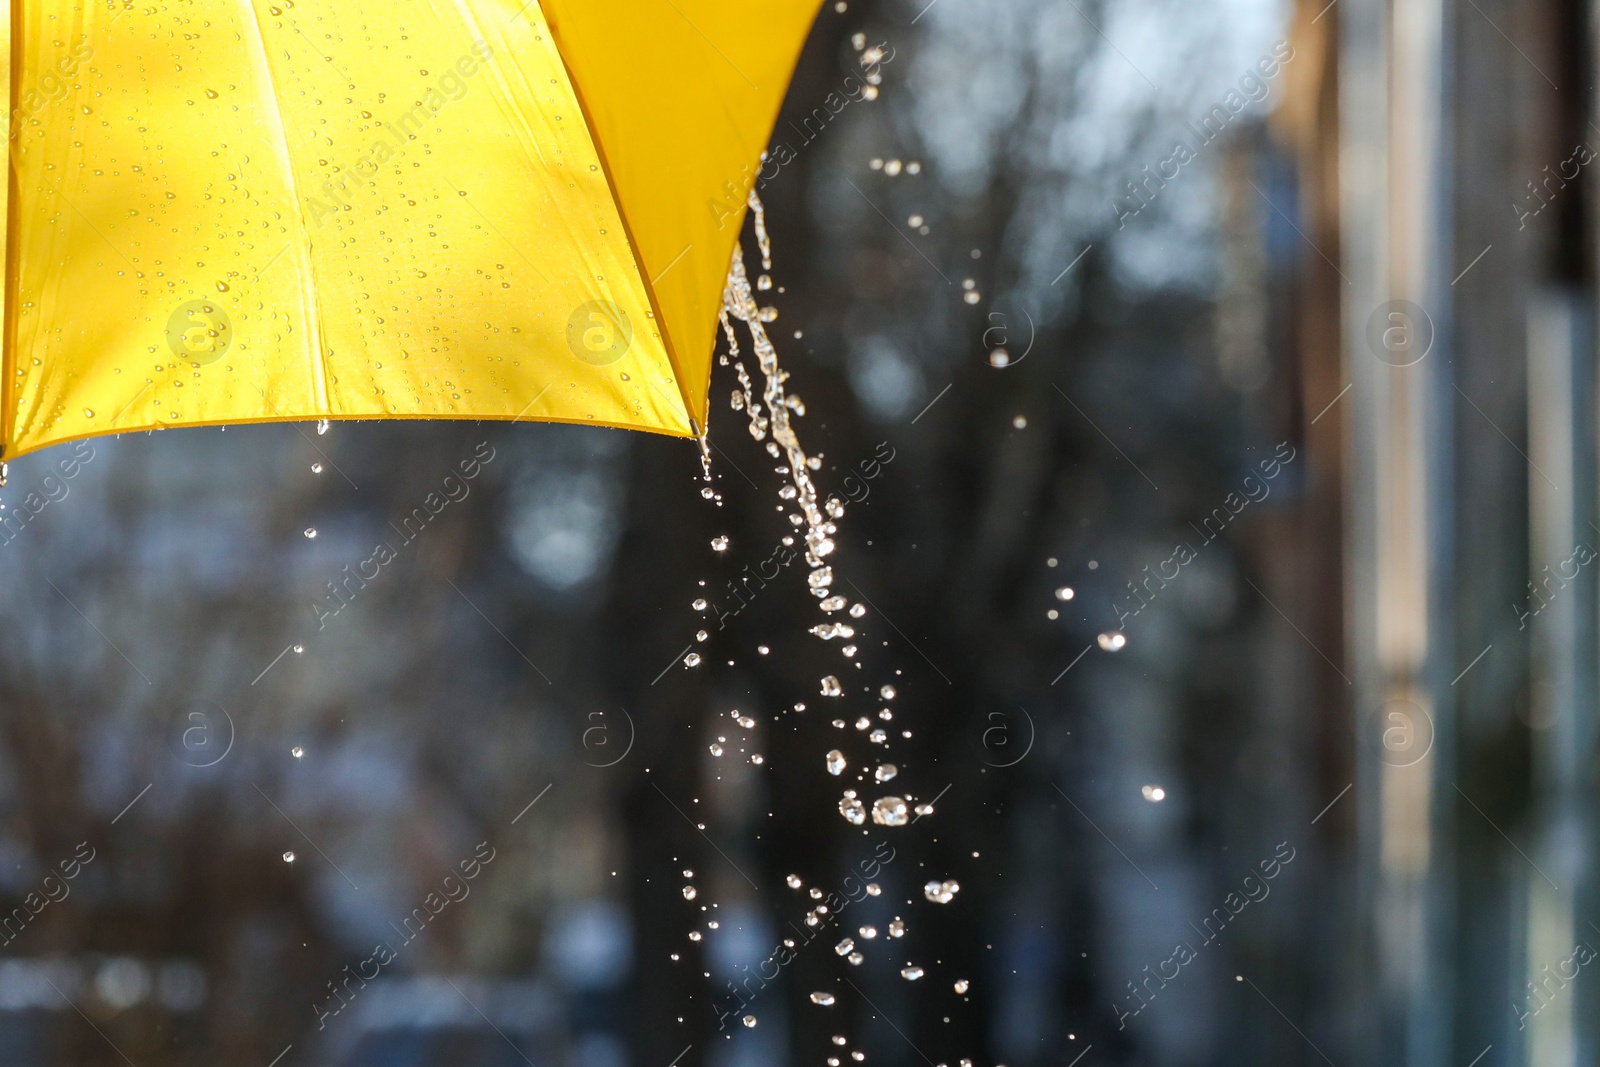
(231, 211)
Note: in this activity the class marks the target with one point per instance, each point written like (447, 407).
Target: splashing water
(770, 411)
(738, 302)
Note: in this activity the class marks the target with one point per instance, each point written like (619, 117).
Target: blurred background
(1211, 391)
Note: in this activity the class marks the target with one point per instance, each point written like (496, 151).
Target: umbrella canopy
(225, 211)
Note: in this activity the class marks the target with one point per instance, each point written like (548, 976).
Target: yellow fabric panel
(369, 210)
(656, 76)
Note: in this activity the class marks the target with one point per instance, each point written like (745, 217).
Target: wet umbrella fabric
(224, 212)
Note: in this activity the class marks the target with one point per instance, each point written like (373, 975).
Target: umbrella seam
(690, 415)
(307, 269)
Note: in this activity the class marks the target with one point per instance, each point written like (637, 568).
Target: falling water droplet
(316, 468)
(824, 999)
(962, 985)
(889, 811)
(297, 752)
(719, 544)
(887, 692)
(749, 1021)
(941, 892)
(692, 660)
(853, 810)
(716, 749)
(699, 605)
(868, 932)
(288, 857)
(885, 772)
(836, 763)
(831, 687)
(794, 881)
(1065, 593)
(845, 947)
(911, 974)
(1112, 641)
(322, 427)
(689, 892)
(311, 533)
(1154, 793)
